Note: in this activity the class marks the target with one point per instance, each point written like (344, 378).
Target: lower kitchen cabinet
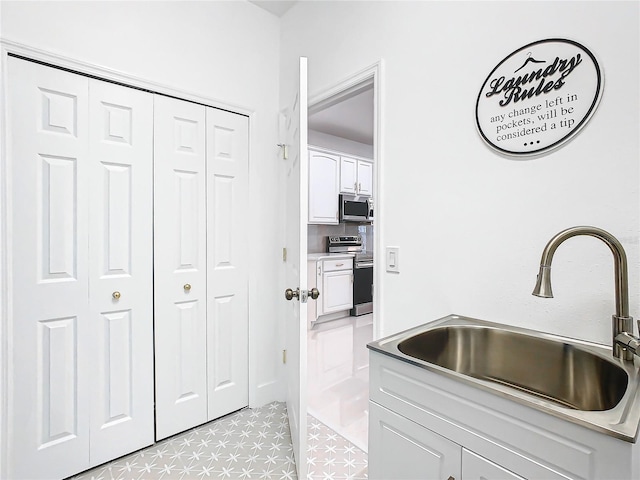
(400, 449)
(337, 285)
(332, 275)
(338, 291)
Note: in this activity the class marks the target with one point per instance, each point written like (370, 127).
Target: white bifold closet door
(121, 269)
(80, 358)
(228, 221)
(201, 269)
(180, 266)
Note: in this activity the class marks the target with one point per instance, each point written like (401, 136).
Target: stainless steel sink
(556, 371)
(573, 379)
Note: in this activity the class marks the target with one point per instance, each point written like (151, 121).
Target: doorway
(343, 122)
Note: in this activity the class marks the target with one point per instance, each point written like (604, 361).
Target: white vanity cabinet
(356, 176)
(401, 449)
(426, 425)
(323, 187)
(475, 467)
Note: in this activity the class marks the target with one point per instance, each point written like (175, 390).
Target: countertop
(314, 257)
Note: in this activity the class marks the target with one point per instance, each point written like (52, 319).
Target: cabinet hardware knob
(116, 295)
(451, 478)
(187, 287)
(339, 264)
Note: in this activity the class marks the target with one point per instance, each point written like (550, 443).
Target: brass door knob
(314, 293)
(116, 295)
(289, 294)
(187, 287)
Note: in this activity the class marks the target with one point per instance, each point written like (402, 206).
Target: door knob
(314, 293)
(289, 294)
(116, 295)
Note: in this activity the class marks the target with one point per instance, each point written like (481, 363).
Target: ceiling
(277, 7)
(350, 118)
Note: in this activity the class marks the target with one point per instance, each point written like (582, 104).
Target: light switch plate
(392, 259)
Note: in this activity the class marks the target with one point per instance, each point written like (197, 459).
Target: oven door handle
(364, 265)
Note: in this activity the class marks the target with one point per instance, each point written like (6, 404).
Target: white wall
(472, 245)
(221, 50)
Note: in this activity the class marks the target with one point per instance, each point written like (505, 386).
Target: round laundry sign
(539, 97)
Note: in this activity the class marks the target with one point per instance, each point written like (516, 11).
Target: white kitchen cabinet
(332, 275)
(338, 291)
(337, 285)
(323, 187)
(412, 409)
(356, 176)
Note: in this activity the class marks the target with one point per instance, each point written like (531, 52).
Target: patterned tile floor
(331, 456)
(249, 444)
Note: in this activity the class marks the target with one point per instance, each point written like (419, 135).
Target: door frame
(26, 52)
(371, 75)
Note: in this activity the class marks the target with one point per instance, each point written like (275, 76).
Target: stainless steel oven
(362, 284)
(362, 270)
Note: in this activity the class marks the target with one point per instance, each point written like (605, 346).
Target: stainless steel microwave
(356, 208)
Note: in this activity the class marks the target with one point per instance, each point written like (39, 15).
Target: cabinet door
(179, 265)
(323, 188)
(338, 291)
(121, 265)
(348, 175)
(49, 344)
(365, 178)
(475, 467)
(400, 449)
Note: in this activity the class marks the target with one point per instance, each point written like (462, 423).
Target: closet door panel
(121, 269)
(227, 261)
(180, 265)
(48, 427)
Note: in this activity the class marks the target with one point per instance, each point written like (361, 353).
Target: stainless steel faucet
(625, 344)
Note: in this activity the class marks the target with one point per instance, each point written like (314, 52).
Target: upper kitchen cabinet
(356, 176)
(323, 187)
